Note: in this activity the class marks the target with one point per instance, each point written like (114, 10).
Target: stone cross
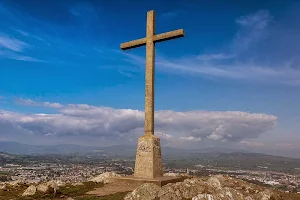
(148, 163)
(150, 41)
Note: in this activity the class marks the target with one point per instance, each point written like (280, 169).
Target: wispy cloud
(30, 38)
(125, 73)
(30, 102)
(11, 43)
(248, 56)
(252, 29)
(24, 33)
(218, 56)
(170, 14)
(16, 56)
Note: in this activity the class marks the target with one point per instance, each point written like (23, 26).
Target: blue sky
(232, 81)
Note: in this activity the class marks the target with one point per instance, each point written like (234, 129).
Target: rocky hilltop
(208, 188)
(104, 186)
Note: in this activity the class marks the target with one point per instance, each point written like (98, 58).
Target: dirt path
(113, 188)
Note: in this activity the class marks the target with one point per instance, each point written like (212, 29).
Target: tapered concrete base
(160, 181)
(148, 162)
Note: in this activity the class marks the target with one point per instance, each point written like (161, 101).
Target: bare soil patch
(114, 187)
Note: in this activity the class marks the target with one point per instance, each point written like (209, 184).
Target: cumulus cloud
(52, 105)
(110, 123)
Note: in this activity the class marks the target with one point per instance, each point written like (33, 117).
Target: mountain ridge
(121, 150)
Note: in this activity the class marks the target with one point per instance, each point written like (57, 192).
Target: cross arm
(169, 35)
(133, 44)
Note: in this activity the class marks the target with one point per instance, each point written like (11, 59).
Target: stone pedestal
(148, 163)
(160, 181)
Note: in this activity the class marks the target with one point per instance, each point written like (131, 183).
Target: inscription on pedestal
(148, 162)
(144, 147)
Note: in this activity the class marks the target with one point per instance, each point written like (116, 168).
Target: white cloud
(30, 102)
(114, 124)
(27, 102)
(52, 105)
(252, 28)
(12, 44)
(164, 135)
(190, 138)
(12, 48)
(219, 56)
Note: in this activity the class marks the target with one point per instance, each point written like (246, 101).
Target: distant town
(74, 168)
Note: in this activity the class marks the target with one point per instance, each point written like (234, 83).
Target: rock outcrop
(31, 190)
(145, 191)
(105, 177)
(43, 187)
(77, 184)
(2, 186)
(213, 188)
(172, 174)
(15, 183)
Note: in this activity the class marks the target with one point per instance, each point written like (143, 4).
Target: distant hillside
(122, 150)
(17, 148)
(210, 157)
(219, 155)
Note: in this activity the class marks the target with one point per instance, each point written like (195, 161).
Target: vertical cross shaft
(150, 41)
(150, 72)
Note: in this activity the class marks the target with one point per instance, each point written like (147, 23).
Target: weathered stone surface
(172, 174)
(77, 184)
(204, 197)
(148, 163)
(15, 183)
(147, 191)
(213, 188)
(60, 183)
(215, 183)
(266, 195)
(31, 190)
(221, 194)
(42, 187)
(105, 177)
(52, 185)
(2, 186)
(170, 192)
